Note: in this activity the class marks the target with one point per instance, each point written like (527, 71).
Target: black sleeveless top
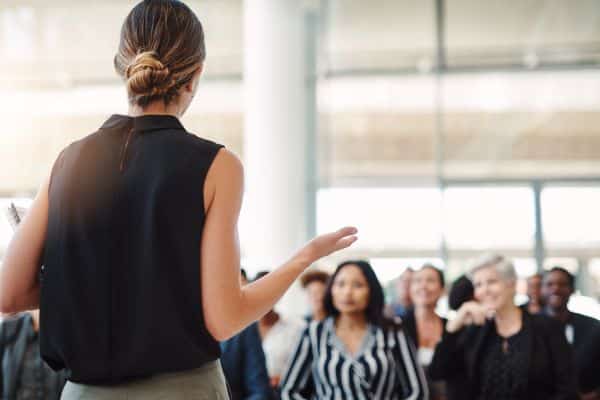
(120, 286)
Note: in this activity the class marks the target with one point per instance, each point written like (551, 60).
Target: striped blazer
(384, 368)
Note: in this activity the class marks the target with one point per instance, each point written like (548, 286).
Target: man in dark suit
(582, 332)
(244, 365)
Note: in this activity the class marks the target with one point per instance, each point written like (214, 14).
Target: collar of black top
(143, 123)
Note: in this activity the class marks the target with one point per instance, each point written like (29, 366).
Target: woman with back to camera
(354, 353)
(136, 227)
(500, 351)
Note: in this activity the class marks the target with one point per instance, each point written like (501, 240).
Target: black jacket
(550, 359)
(586, 346)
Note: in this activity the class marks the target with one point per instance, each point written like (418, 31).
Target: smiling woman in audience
(422, 324)
(499, 350)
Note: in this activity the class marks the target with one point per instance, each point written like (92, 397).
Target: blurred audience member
(278, 336)
(403, 302)
(314, 283)
(501, 351)
(354, 353)
(244, 365)
(422, 324)
(534, 292)
(462, 290)
(582, 332)
(24, 374)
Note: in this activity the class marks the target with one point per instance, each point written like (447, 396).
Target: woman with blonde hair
(500, 351)
(136, 229)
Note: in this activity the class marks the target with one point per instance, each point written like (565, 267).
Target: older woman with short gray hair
(499, 351)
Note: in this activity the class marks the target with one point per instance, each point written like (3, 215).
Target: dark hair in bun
(161, 47)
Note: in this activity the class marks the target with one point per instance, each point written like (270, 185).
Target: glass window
(386, 218)
(570, 216)
(487, 218)
(386, 132)
(584, 305)
(521, 32)
(594, 271)
(42, 34)
(379, 34)
(525, 266)
(569, 263)
(17, 33)
(388, 269)
(491, 130)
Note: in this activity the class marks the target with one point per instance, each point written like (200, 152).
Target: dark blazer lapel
(527, 330)
(473, 357)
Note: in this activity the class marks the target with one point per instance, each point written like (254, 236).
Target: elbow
(217, 328)
(14, 301)
(219, 334)
(7, 304)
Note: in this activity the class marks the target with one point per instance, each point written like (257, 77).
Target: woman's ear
(193, 83)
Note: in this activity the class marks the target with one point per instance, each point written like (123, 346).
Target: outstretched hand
(324, 245)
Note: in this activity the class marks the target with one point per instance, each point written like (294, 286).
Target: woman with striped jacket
(354, 353)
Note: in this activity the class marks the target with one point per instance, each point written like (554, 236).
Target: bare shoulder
(227, 165)
(225, 178)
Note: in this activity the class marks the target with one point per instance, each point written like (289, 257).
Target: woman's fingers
(468, 320)
(328, 243)
(337, 240)
(345, 242)
(479, 318)
(480, 314)
(344, 233)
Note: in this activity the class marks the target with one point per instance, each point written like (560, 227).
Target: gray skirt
(204, 383)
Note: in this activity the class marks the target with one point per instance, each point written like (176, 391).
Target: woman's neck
(351, 321)
(562, 313)
(425, 312)
(154, 108)
(508, 320)
(508, 312)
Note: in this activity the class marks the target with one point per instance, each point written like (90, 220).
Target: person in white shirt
(279, 335)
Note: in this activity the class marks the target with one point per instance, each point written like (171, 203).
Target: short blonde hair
(501, 264)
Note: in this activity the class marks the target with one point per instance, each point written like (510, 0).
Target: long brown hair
(161, 47)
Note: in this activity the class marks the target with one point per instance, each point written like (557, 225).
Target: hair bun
(147, 76)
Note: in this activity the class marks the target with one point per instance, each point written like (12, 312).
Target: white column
(275, 154)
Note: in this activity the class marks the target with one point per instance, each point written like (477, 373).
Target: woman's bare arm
(19, 284)
(228, 307)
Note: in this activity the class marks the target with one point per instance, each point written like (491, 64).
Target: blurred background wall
(441, 129)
